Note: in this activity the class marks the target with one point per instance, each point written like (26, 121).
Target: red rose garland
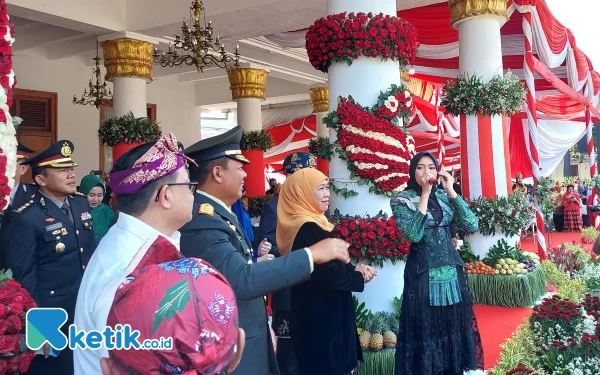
(372, 239)
(344, 37)
(4, 188)
(14, 304)
(373, 142)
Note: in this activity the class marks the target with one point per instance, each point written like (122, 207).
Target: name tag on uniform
(86, 216)
(53, 227)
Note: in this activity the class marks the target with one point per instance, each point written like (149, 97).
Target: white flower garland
(355, 150)
(8, 139)
(382, 138)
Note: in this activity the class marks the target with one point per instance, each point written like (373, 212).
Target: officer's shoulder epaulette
(23, 207)
(206, 209)
(80, 194)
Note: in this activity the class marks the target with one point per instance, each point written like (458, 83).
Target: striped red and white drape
(485, 158)
(533, 123)
(440, 134)
(590, 141)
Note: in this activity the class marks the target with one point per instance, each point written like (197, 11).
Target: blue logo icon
(42, 325)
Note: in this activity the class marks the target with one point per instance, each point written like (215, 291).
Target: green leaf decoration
(176, 298)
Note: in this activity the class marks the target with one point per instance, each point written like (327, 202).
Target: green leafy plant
(362, 314)
(543, 192)
(398, 306)
(518, 350)
(505, 215)
(256, 205)
(501, 250)
(256, 140)
(470, 96)
(344, 192)
(466, 253)
(128, 129)
(320, 147)
(590, 233)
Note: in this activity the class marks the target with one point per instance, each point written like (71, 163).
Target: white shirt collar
(214, 199)
(143, 231)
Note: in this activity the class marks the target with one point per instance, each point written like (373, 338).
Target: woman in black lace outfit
(438, 330)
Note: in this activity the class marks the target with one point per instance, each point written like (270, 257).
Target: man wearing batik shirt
(155, 198)
(203, 328)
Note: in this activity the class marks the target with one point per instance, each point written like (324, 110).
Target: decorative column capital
(248, 83)
(463, 9)
(319, 97)
(129, 58)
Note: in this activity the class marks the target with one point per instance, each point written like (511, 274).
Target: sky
(583, 18)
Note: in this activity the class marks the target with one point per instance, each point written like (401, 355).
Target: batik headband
(163, 159)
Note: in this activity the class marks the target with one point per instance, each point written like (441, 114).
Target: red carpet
(552, 240)
(496, 325)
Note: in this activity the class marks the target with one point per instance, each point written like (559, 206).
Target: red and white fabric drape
(533, 124)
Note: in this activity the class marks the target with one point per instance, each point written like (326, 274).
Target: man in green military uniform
(49, 242)
(215, 235)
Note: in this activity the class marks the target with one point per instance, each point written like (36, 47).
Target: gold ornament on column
(247, 83)
(319, 97)
(128, 58)
(463, 9)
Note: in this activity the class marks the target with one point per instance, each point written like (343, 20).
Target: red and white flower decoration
(344, 37)
(8, 140)
(374, 142)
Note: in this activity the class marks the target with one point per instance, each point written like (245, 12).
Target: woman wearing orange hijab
(322, 320)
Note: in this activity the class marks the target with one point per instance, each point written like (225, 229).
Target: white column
(364, 80)
(249, 114)
(480, 46)
(129, 95)
(483, 148)
(322, 129)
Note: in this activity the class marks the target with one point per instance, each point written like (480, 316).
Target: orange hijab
(297, 206)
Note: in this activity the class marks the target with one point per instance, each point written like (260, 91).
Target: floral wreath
(470, 96)
(344, 37)
(374, 142)
(256, 140)
(8, 140)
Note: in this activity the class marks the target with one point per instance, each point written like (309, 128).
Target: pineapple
(389, 337)
(365, 336)
(379, 326)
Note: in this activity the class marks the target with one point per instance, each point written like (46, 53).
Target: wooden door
(39, 128)
(105, 154)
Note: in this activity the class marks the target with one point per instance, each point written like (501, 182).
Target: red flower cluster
(374, 239)
(4, 189)
(556, 308)
(521, 369)
(403, 108)
(344, 37)
(14, 304)
(350, 114)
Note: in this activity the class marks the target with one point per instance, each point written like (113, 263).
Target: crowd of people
(177, 260)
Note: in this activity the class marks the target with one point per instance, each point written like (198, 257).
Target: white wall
(176, 109)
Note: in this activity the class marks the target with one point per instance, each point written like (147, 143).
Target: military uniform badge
(206, 209)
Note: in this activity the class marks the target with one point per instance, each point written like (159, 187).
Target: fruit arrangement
(480, 268)
(507, 266)
(379, 332)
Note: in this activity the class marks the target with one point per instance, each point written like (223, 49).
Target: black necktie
(67, 210)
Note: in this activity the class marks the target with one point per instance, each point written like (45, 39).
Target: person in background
(21, 192)
(272, 184)
(93, 187)
(155, 196)
(519, 185)
(438, 328)
(215, 236)
(203, 328)
(559, 209)
(322, 320)
(50, 244)
(281, 300)
(19, 195)
(244, 219)
(572, 204)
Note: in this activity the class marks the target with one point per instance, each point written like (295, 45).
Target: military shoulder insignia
(80, 194)
(23, 207)
(206, 209)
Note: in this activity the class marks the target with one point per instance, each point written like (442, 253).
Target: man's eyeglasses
(192, 185)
